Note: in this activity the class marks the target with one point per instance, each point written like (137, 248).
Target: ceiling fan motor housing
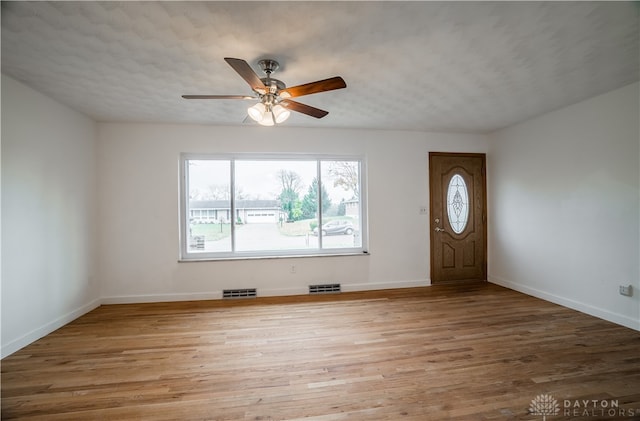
(269, 66)
(273, 84)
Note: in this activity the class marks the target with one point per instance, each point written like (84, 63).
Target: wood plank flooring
(458, 352)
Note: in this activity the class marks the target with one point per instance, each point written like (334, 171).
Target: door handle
(438, 229)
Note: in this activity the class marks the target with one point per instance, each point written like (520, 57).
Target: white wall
(564, 205)
(138, 185)
(48, 209)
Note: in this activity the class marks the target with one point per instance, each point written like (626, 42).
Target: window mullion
(319, 178)
(232, 193)
(186, 210)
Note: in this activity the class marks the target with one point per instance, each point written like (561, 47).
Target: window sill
(292, 256)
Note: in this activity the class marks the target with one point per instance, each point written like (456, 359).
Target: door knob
(438, 229)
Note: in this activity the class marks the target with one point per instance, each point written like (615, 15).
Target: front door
(457, 195)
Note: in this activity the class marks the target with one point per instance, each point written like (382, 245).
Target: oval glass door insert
(457, 204)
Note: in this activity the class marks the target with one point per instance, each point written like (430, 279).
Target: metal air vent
(239, 293)
(324, 289)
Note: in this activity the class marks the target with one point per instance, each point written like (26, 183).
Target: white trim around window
(249, 206)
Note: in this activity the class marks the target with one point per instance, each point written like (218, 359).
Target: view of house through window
(278, 206)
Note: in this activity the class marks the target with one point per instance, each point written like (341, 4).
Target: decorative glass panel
(457, 204)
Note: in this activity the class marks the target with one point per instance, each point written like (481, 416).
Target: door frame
(432, 224)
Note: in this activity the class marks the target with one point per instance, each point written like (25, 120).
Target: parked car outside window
(335, 227)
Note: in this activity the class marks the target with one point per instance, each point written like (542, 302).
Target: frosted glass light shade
(280, 113)
(267, 120)
(257, 111)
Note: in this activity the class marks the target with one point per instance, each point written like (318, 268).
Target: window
(286, 205)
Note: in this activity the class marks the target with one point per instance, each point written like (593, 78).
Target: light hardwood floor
(459, 352)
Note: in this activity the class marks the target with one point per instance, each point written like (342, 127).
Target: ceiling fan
(274, 105)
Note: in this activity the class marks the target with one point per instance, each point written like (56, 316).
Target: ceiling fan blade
(314, 87)
(218, 97)
(247, 73)
(303, 108)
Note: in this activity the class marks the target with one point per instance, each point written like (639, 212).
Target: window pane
(271, 212)
(457, 204)
(277, 206)
(209, 188)
(341, 213)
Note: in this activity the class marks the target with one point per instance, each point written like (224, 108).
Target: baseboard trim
(385, 285)
(162, 298)
(600, 313)
(262, 292)
(345, 288)
(280, 292)
(47, 328)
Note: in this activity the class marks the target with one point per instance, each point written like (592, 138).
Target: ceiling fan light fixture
(256, 112)
(280, 114)
(267, 120)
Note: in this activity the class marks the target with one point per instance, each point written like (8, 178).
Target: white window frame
(188, 256)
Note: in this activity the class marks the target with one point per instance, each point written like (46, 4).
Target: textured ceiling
(450, 66)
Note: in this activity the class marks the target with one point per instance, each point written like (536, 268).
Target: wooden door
(457, 183)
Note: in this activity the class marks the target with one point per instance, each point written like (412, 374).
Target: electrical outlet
(423, 210)
(626, 290)
(292, 269)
